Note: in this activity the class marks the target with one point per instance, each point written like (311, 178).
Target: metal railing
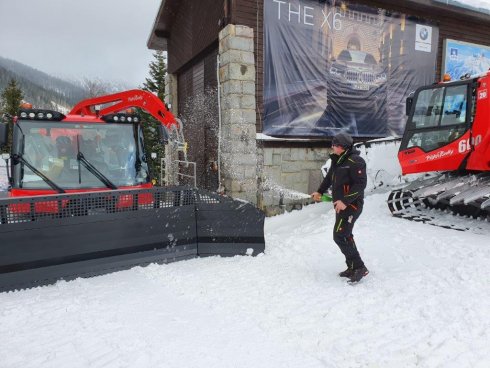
(169, 172)
(69, 206)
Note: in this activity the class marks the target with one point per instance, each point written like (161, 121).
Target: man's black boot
(358, 274)
(347, 273)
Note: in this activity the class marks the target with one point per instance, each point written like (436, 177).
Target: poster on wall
(336, 66)
(462, 58)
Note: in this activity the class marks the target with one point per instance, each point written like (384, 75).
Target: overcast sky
(103, 39)
(78, 39)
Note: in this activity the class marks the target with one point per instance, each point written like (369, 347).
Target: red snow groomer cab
(448, 135)
(97, 145)
(81, 202)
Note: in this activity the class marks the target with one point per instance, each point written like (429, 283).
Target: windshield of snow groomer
(439, 117)
(115, 150)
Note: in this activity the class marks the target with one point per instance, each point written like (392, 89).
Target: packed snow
(424, 304)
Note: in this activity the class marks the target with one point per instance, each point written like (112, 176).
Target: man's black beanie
(343, 139)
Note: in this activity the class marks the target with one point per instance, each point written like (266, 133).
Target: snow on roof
(482, 6)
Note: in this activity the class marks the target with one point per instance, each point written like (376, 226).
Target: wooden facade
(198, 108)
(190, 29)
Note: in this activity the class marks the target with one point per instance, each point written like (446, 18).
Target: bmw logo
(423, 34)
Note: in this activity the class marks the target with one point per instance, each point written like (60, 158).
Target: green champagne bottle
(326, 198)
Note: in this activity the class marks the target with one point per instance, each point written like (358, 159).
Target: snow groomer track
(436, 200)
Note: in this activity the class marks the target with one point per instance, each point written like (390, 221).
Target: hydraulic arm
(109, 104)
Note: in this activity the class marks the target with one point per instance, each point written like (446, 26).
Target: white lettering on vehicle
(439, 155)
(466, 144)
(135, 98)
(482, 94)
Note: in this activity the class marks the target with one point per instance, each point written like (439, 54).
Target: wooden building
(190, 31)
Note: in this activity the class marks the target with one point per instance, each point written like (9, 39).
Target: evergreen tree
(10, 100)
(155, 83)
(158, 71)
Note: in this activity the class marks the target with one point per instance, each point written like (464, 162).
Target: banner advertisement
(462, 58)
(335, 66)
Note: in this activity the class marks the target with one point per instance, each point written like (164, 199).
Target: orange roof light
(446, 77)
(26, 105)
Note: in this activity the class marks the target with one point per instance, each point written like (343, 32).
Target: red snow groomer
(81, 202)
(447, 134)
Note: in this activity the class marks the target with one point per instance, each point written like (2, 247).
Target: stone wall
(287, 173)
(238, 161)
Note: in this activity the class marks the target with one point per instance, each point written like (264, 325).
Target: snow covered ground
(425, 303)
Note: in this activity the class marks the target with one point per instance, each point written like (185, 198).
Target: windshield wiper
(81, 158)
(16, 158)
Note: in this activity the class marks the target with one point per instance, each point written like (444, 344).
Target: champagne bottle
(326, 198)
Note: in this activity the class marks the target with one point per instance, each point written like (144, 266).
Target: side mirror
(408, 105)
(163, 134)
(4, 134)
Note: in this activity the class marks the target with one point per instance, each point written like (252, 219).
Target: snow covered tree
(10, 100)
(95, 87)
(155, 83)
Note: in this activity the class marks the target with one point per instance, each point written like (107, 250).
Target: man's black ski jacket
(347, 177)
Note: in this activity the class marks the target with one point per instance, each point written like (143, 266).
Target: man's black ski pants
(342, 235)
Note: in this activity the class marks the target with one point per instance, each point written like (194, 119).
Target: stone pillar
(172, 93)
(238, 112)
(170, 176)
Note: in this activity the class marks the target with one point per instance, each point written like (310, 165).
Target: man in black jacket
(347, 178)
